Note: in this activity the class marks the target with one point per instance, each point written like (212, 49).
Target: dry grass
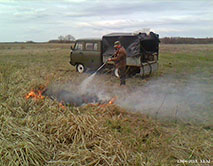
(40, 132)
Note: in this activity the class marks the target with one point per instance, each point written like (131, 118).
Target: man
(120, 61)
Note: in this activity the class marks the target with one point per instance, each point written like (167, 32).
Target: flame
(35, 94)
(62, 106)
(112, 101)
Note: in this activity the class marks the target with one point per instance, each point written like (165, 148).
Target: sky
(43, 20)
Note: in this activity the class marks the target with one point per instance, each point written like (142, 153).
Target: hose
(101, 67)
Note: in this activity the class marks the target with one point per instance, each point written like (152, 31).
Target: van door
(93, 54)
(77, 55)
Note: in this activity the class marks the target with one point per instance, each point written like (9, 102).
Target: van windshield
(79, 46)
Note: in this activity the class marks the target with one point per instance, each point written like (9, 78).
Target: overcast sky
(42, 20)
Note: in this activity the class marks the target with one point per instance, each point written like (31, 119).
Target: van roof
(89, 39)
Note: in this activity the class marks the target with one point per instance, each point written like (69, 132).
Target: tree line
(63, 39)
(185, 40)
(166, 40)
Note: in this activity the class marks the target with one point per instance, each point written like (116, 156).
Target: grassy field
(40, 132)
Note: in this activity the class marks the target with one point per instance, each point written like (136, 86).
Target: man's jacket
(120, 58)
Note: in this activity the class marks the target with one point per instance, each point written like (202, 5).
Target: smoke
(85, 84)
(165, 98)
(188, 100)
(76, 94)
(168, 98)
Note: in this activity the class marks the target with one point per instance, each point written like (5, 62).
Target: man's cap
(117, 43)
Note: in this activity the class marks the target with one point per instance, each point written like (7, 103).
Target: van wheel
(80, 68)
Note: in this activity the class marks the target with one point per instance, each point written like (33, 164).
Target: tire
(116, 73)
(142, 72)
(150, 71)
(80, 68)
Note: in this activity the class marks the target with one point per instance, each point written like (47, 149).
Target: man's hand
(110, 59)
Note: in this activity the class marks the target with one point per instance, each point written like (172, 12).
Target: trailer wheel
(150, 66)
(116, 73)
(142, 71)
(80, 68)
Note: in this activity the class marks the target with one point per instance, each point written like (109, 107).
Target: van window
(95, 46)
(91, 46)
(79, 46)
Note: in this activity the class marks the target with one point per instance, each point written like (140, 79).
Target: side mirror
(71, 47)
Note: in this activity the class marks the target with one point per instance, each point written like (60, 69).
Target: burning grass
(41, 132)
(37, 94)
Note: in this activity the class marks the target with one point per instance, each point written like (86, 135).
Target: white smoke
(170, 99)
(166, 98)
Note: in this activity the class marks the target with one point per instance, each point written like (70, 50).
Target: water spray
(86, 82)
